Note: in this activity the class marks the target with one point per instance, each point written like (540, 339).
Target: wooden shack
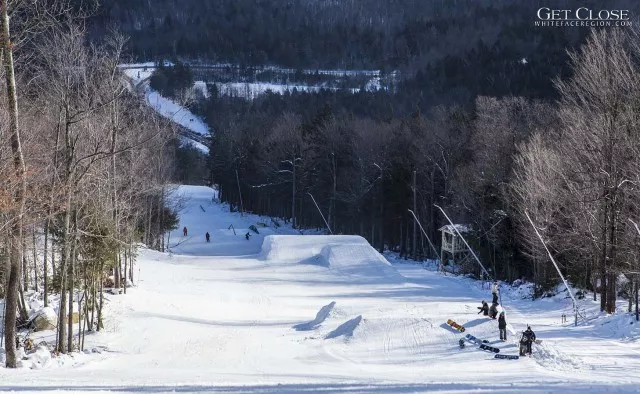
(454, 253)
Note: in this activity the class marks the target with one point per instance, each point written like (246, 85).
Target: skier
(484, 308)
(184, 231)
(461, 343)
(528, 337)
(247, 235)
(494, 292)
(502, 326)
(207, 236)
(493, 311)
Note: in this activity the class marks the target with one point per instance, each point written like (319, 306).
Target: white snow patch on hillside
(139, 78)
(251, 90)
(176, 112)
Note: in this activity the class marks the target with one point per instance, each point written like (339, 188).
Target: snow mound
(620, 326)
(349, 257)
(552, 358)
(321, 316)
(345, 329)
(36, 360)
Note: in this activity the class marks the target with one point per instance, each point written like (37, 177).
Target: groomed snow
(225, 316)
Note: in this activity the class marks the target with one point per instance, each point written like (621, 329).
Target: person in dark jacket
(493, 311)
(484, 308)
(528, 337)
(184, 231)
(207, 236)
(502, 326)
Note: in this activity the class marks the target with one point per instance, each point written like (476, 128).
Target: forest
(84, 171)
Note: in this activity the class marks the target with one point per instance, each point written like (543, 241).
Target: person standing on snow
(207, 236)
(502, 326)
(528, 337)
(493, 311)
(184, 231)
(484, 308)
(494, 292)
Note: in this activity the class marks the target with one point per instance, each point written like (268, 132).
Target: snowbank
(43, 358)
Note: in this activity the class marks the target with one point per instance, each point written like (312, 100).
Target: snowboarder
(184, 231)
(502, 326)
(494, 292)
(247, 235)
(207, 236)
(528, 337)
(493, 311)
(484, 308)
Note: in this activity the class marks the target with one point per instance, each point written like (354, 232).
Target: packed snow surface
(286, 313)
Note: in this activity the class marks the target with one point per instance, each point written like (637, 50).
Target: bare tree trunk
(334, 187)
(11, 308)
(149, 214)
(603, 268)
(64, 261)
(22, 305)
(293, 192)
(80, 316)
(161, 222)
(116, 271)
(25, 265)
(19, 199)
(47, 223)
(35, 259)
(125, 271)
(414, 243)
(635, 291)
(45, 274)
(381, 237)
(101, 303)
(72, 280)
(131, 263)
(94, 301)
(239, 194)
(630, 303)
(53, 259)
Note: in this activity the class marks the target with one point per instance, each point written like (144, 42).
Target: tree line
(404, 35)
(84, 164)
(570, 163)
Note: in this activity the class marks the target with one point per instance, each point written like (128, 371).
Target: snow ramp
(321, 316)
(349, 257)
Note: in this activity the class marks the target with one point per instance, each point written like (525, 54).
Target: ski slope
(138, 76)
(290, 313)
